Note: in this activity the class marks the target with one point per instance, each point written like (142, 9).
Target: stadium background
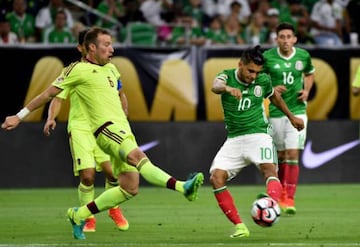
(170, 103)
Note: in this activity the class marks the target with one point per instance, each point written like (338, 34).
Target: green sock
(158, 177)
(109, 184)
(108, 199)
(85, 193)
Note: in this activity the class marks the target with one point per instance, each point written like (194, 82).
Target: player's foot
(290, 207)
(240, 231)
(262, 195)
(119, 219)
(90, 225)
(192, 185)
(77, 223)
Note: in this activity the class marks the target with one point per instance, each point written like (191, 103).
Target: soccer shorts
(286, 136)
(241, 151)
(117, 141)
(85, 152)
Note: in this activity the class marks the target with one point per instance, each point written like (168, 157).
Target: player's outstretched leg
(77, 223)
(192, 185)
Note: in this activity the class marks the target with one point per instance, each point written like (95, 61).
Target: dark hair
(81, 36)
(92, 35)
(253, 54)
(285, 26)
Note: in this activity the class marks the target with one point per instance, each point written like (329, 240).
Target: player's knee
(218, 178)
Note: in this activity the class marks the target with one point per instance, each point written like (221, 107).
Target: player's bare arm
(11, 122)
(308, 83)
(277, 100)
(220, 87)
(280, 89)
(53, 112)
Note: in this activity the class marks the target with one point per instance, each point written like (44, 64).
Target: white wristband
(23, 113)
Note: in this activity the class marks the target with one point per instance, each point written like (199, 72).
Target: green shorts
(117, 141)
(85, 152)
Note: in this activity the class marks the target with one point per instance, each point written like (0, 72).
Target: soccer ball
(265, 211)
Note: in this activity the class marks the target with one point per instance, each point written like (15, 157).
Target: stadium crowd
(179, 22)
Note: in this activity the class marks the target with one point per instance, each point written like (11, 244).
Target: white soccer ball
(265, 211)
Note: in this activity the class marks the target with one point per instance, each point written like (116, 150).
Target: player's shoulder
(263, 78)
(302, 51)
(270, 51)
(226, 74)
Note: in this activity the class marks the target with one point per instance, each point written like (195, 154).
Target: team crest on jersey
(59, 80)
(257, 91)
(299, 65)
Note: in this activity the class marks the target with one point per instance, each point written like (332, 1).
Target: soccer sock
(109, 184)
(273, 188)
(105, 200)
(86, 193)
(292, 180)
(281, 171)
(227, 205)
(158, 177)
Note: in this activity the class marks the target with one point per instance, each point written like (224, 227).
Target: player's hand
(298, 123)
(303, 95)
(49, 125)
(11, 122)
(234, 92)
(280, 89)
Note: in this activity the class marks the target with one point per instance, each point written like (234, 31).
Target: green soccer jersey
(288, 71)
(247, 115)
(94, 96)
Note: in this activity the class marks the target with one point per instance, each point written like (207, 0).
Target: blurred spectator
(216, 34)
(153, 10)
(353, 9)
(256, 32)
(194, 10)
(262, 6)
(132, 13)
(272, 21)
(298, 12)
(187, 31)
(58, 32)
(224, 9)
(110, 8)
(209, 8)
(309, 4)
(6, 35)
(303, 35)
(234, 30)
(22, 23)
(326, 23)
(46, 16)
(284, 10)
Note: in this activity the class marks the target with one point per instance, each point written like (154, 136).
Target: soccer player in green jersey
(249, 141)
(86, 154)
(292, 75)
(95, 86)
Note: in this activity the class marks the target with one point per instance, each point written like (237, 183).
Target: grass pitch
(328, 216)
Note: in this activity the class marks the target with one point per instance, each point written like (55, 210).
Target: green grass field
(328, 215)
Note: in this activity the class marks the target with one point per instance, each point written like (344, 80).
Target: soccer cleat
(240, 231)
(77, 224)
(262, 195)
(290, 207)
(119, 219)
(90, 225)
(192, 185)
